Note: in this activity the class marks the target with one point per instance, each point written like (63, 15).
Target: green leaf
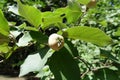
(83, 1)
(3, 39)
(24, 40)
(73, 11)
(4, 28)
(104, 23)
(4, 48)
(63, 66)
(17, 31)
(2, 2)
(39, 37)
(107, 54)
(61, 10)
(71, 48)
(35, 62)
(50, 18)
(22, 26)
(117, 33)
(28, 28)
(74, 5)
(88, 34)
(106, 74)
(9, 53)
(45, 72)
(73, 15)
(30, 13)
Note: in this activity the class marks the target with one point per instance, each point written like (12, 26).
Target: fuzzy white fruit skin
(56, 41)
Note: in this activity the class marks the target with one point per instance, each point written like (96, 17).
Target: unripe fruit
(56, 41)
(92, 3)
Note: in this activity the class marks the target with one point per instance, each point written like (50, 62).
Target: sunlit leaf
(44, 72)
(4, 28)
(15, 33)
(73, 15)
(104, 23)
(30, 13)
(35, 62)
(73, 5)
(24, 40)
(2, 2)
(50, 18)
(4, 48)
(117, 33)
(73, 11)
(89, 34)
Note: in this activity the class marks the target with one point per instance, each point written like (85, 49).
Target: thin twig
(82, 76)
(95, 69)
(85, 62)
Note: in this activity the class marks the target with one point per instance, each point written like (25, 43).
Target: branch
(85, 62)
(95, 69)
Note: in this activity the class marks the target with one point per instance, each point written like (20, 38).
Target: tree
(91, 38)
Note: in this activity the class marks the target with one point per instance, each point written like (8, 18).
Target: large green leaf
(30, 13)
(69, 13)
(63, 66)
(50, 18)
(71, 48)
(89, 34)
(35, 62)
(4, 32)
(106, 74)
(4, 28)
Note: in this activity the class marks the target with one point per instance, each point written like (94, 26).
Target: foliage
(91, 50)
